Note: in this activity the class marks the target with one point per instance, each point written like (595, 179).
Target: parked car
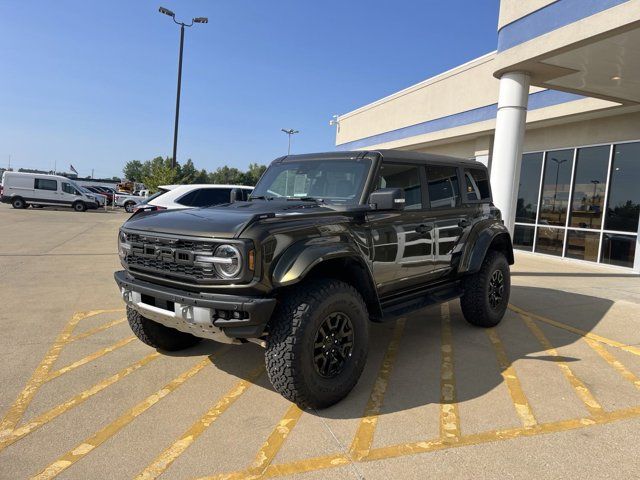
(101, 199)
(170, 197)
(102, 191)
(129, 201)
(39, 190)
(326, 244)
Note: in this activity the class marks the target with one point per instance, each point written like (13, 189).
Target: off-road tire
(475, 304)
(19, 203)
(79, 207)
(129, 206)
(158, 336)
(290, 343)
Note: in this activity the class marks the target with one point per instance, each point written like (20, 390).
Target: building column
(507, 144)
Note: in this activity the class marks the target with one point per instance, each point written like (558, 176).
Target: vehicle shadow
(416, 369)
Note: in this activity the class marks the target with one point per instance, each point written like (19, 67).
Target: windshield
(331, 181)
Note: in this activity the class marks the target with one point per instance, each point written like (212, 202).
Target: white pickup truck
(130, 201)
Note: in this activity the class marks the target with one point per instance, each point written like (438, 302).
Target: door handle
(423, 229)
(464, 223)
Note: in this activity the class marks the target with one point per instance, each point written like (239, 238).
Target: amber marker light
(252, 260)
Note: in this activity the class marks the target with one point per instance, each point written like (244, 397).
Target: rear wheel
(79, 207)
(18, 203)
(486, 293)
(317, 343)
(158, 336)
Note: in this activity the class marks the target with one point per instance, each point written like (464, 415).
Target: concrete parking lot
(554, 391)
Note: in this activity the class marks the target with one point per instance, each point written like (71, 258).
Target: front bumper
(204, 315)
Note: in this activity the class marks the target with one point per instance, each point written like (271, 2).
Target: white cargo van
(24, 189)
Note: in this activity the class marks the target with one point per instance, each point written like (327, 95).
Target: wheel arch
(494, 236)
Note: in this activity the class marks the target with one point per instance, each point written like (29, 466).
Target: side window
(45, 184)
(208, 197)
(407, 177)
(68, 188)
(443, 186)
(477, 184)
(189, 199)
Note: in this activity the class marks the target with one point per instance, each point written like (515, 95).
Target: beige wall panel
(456, 149)
(512, 10)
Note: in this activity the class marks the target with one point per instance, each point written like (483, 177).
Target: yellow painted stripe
(309, 465)
(449, 418)
(519, 399)
(89, 358)
(578, 331)
(58, 410)
(95, 330)
(168, 456)
(613, 361)
(39, 376)
(93, 442)
(590, 402)
(363, 439)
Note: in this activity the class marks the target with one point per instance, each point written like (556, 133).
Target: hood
(223, 221)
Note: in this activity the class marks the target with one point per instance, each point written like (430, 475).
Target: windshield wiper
(259, 197)
(305, 199)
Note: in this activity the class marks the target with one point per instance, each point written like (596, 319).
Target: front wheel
(128, 207)
(159, 336)
(318, 342)
(79, 207)
(486, 293)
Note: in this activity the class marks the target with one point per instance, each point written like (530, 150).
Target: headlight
(226, 260)
(124, 248)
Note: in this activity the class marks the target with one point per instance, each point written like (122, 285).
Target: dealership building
(554, 113)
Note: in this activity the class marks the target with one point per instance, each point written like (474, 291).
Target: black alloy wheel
(333, 345)
(496, 288)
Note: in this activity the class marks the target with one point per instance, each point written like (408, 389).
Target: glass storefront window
(618, 249)
(555, 188)
(623, 207)
(589, 185)
(550, 240)
(529, 188)
(583, 245)
(523, 237)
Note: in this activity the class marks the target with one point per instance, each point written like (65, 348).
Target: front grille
(167, 257)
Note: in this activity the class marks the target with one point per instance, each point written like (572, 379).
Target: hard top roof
(386, 153)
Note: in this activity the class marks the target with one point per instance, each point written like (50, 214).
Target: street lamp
(555, 193)
(289, 132)
(169, 13)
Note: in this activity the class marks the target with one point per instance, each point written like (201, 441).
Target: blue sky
(93, 83)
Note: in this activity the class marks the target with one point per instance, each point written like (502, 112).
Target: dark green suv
(326, 244)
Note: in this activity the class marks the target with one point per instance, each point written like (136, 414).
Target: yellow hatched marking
(95, 330)
(449, 418)
(19, 406)
(613, 361)
(592, 405)
(519, 399)
(90, 358)
(58, 410)
(93, 442)
(578, 331)
(168, 456)
(363, 438)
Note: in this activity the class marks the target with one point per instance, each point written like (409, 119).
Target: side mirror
(235, 194)
(387, 199)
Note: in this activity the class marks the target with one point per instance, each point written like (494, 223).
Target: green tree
(253, 174)
(135, 170)
(160, 173)
(226, 175)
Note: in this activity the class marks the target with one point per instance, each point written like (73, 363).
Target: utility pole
(182, 25)
(289, 132)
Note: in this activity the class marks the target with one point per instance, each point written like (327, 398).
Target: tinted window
(206, 197)
(44, 184)
(406, 177)
(529, 188)
(555, 189)
(477, 183)
(443, 186)
(623, 207)
(589, 184)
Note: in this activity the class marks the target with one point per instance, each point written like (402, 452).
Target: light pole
(290, 132)
(182, 25)
(555, 193)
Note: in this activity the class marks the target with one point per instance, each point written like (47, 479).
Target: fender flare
(478, 243)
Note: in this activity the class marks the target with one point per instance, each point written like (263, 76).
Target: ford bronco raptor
(325, 244)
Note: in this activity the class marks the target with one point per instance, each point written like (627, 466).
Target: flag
(73, 169)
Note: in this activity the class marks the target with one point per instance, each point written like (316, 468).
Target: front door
(402, 241)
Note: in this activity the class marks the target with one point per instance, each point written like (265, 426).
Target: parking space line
(508, 372)
(308, 465)
(449, 418)
(95, 330)
(93, 442)
(90, 358)
(39, 376)
(169, 455)
(31, 425)
(590, 402)
(613, 361)
(363, 439)
(578, 331)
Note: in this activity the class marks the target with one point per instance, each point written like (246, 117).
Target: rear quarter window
(476, 182)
